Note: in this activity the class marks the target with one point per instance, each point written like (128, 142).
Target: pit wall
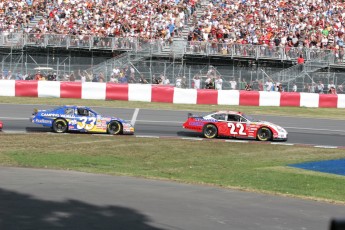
(167, 94)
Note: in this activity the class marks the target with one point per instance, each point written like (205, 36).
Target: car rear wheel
(60, 125)
(114, 128)
(264, 134)
(210, 131)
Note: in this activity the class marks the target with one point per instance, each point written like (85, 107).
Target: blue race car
(80, 118)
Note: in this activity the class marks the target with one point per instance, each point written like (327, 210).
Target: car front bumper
(128, 129)
(281, 137)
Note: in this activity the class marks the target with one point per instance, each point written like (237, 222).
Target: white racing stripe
(134, 117)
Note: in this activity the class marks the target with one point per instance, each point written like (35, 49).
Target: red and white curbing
(167, 94)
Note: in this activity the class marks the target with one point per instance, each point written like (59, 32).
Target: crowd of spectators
(112, 18)
(284, 23)
(287, 23)
(273, 23)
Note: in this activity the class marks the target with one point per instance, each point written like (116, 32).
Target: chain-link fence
(172, 72)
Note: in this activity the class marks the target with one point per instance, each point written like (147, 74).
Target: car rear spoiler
(35, 111)
(194, 116)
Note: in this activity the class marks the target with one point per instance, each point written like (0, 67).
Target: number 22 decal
(233, 126)
(86, 126)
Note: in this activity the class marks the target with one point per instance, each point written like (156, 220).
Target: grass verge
(328, 113)
(253, 167)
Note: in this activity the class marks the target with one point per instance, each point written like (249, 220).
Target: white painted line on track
(340, 131)
(102, 135)
(236, 141)
(134, 117)
(274, 143)
(146, 136)
(172, 122)
(325, 147)
(192, 138)
(14, 118)
(13, 132)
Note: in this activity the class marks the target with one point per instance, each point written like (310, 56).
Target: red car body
(1, 125)
(236, 125)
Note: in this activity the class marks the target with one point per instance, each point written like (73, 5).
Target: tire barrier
(166, 94)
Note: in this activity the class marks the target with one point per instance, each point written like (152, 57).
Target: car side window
(69, 111)
(83, 112)
(220, 116)
(242, 119)
(232, 117)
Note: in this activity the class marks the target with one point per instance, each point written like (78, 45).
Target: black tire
(210, 131)
(114, 128)
(60, 125)
(264, 134)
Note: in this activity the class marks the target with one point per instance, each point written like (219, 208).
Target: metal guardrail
(309, 66)
(253, 51)
(20, 40)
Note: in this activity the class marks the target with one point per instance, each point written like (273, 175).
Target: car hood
(116, 118)
(270, 124)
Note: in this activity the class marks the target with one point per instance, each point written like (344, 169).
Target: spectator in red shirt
(300, 62)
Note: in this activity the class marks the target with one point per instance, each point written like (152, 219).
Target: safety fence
(166, 94)
(90, 42)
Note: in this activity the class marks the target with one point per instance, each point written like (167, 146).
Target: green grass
(329, 113)
(252, 167)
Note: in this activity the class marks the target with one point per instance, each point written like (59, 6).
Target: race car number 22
(238, 126)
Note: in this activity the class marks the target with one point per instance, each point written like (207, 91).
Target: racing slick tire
(60, 125)
(210, 131)
(114, 128)
(264, 134)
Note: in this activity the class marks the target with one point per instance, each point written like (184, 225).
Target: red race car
(1, 125)
(235, 125)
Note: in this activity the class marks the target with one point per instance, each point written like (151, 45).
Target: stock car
(234, 125)
(1, 125)
(80, 119)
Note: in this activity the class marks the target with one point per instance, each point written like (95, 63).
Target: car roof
(229, 112)
(75, 106)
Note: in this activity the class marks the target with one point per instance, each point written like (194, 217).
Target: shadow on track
(38, 129)
(21, 211)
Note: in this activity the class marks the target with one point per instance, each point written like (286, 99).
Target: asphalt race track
(319, 132)
(48, 199)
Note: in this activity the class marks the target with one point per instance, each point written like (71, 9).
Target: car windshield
(94, 112)
(249, 118)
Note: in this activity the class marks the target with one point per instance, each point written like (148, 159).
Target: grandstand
(245, 40)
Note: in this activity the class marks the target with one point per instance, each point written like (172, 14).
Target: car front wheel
(60, 126)
(210, 131)
(264, 134)
(114, 128)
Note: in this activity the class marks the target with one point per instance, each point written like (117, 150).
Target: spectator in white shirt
(330, 85)
(268, 85)
(233, 84)
(166, 81)
(196, 81)
(218, 83)
(116, 71)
